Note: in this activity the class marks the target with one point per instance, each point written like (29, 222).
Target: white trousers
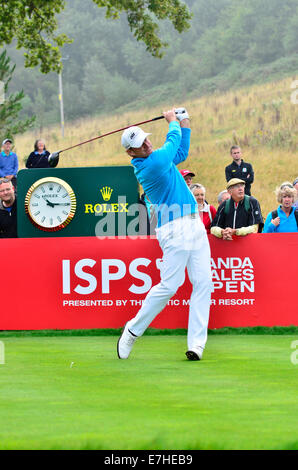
(185, 245)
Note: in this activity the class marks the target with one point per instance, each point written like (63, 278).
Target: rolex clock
(50, 204)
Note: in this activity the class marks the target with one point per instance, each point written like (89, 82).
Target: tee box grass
(72, 392)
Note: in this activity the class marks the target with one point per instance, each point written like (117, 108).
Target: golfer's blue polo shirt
(163, 184)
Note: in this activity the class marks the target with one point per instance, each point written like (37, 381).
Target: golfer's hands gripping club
(170, 115)
(53, 159)
(181, 114)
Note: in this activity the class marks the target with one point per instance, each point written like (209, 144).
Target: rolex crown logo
(106, 193)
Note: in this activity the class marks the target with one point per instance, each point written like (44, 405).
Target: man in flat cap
(239, 215)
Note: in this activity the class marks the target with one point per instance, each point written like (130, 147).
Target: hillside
(262, 119)
(230, 43)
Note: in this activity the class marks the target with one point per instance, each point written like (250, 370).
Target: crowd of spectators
(9, 165)
(238, 213)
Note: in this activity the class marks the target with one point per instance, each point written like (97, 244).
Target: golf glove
(181, 114)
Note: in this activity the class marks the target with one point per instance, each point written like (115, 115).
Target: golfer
(180, 232)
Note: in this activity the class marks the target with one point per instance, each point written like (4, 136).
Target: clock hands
(53, 204)
(61, 203)
(49, 203)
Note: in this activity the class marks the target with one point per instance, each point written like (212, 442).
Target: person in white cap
(180, 233)
(9, 163)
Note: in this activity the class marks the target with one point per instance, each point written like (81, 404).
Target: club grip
(157, 118)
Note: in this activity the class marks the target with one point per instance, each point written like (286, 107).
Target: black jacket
(8, 221)
(37, 160)
(241, 172)
(238, 217)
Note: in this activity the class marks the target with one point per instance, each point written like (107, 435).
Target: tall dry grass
(261, 119)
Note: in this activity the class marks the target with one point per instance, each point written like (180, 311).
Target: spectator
(223, 196)
(295, 184)
(239, 215)
(9, 164)
(188, 176)
(285, 218)
(8, 209)
(239, 169)
(39, 158)
(206, 211)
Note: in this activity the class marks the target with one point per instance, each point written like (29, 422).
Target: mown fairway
(74, 393)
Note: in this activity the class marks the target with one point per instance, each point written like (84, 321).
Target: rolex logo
(106, 193)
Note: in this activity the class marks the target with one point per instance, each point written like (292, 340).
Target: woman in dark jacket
(39, 158)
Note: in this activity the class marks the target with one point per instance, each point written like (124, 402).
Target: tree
(11, 104)
(291, 37)
(33, 24)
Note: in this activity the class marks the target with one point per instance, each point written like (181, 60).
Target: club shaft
(112, 132)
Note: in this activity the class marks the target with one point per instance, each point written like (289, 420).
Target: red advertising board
(90, 282)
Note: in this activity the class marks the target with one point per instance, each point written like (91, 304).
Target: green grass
(242, 395)
(251, 330)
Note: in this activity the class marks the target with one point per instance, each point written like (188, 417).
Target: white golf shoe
(125, 343)
(194, 354)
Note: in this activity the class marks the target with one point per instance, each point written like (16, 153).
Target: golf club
(54, 157)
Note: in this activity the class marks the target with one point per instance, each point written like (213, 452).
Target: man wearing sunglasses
(240, 169)
(8, 209)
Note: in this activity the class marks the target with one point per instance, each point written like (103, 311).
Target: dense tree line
(230, 42)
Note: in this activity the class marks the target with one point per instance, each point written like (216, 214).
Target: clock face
(50, 204)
